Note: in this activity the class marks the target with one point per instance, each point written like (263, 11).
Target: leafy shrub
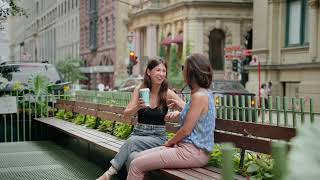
(122, 130)
(79, 119)
(69, 116)
(105, 126)
(91, 122)
(216, 157)
(170, 135)
(60, 114)
(258, 166)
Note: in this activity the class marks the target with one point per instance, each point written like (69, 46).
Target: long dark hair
(147, 83)
(199, 70)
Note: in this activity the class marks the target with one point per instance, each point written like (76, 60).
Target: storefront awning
(178, 39)
(166, 41)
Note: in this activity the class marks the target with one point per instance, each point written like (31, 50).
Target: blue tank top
(202, 135)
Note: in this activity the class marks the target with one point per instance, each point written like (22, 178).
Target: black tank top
(152, 116)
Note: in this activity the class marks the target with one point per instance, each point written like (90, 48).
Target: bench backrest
(102, 111)
(245, 135)
(65, 104)
(248, 136)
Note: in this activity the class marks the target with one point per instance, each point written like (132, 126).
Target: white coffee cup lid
(145, 89)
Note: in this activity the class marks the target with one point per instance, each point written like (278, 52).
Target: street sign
(8, 105)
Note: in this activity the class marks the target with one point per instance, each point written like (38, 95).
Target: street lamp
(130, 37)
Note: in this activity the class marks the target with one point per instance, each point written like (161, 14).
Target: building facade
(49, 33)
(286, 43)
(4, 41)
(103, 41)
(193, 27)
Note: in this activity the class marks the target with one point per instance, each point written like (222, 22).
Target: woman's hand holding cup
(141, 104)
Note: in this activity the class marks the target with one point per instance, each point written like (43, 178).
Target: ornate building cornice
(276, 1)
(313, 4)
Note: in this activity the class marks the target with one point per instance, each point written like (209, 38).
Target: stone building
(286, 43)
(197, 26)
(103, 41)
(49, 33)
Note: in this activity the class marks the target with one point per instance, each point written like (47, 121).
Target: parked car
(221, 88)
(129, 84)
(21, 72)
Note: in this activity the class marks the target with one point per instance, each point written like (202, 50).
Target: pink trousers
(183, 155)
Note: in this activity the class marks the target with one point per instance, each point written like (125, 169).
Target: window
(87, 37)
(62, 5)
(93, 35)
(107, 30)
(216, 49)
(297, 33)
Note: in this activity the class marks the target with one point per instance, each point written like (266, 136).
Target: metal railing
(18, 126)
(281, 111)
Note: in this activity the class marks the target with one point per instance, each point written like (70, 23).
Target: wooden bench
(246, 136)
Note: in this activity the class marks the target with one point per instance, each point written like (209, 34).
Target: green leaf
(304, 156)
(252, 168)
(268, 175)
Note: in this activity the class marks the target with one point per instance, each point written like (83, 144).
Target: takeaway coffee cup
(145, 95)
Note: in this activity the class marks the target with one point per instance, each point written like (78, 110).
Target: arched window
(216, 49)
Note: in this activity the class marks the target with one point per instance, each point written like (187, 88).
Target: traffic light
(133, 58)
(129, 68)
(235, 65)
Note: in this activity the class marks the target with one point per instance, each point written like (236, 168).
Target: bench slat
(176, 174)
(260, 130)
(113, 117)
(67, 102)
(114, 109)
(85, 111)
(212, 174)
(65, 107)
(87, 105)
(109, 147)
(253, 144)
(219, 171)
(196, 174)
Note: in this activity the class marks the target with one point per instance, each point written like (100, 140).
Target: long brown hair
(147, 83)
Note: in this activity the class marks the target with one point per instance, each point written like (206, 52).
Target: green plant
(70, 69)
(175, 74)
(122, 130)
(60, 114)
(162, 51)
(304, 157)
(170, 135)
(216, 156)
(12, 9)
(79, 119)
(105, 126)
(38, 84)
(91, 122)
(258, 166)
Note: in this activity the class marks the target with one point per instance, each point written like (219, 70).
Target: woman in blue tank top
(150, 131)
(193, 142)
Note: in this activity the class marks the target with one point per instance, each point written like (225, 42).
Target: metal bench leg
(242, 155)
